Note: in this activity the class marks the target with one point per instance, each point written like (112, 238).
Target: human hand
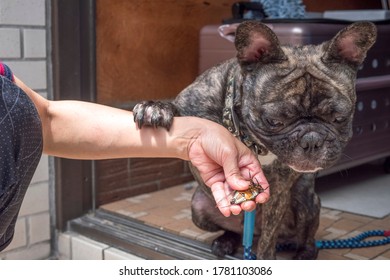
(225, 164)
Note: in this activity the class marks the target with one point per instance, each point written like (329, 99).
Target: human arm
(83, 130)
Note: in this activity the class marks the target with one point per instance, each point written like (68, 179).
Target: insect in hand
(254, 189)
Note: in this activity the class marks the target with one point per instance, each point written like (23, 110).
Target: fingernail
(262, 200)
(241, 183)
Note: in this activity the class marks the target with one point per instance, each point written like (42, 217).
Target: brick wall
(135, 176)
(23, 46)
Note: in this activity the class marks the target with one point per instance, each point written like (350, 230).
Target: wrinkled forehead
(307, 60)
(305, 72)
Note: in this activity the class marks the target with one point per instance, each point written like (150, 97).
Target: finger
(262, 181)
(235, 209)
(262, 198)
(240, 178)
(220, 197)
(233, 176)
(248, 206)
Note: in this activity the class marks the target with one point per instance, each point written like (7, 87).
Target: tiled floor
(170, 210)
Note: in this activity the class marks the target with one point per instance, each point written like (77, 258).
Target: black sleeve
(20, 151)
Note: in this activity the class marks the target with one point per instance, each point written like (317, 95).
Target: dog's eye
(339, 119)
(275, 123)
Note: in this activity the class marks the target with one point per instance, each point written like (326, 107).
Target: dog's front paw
(307, 253)
(226, 244)
(154, 113)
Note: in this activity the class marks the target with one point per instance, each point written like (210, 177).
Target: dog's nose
(311, 141)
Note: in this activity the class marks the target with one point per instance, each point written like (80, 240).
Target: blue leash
(357, 241)
(353, 242)
(247, 238)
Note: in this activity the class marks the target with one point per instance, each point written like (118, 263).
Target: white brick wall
(23, 12)
(32, 73)
(10, 42)
(34, 43)
(23, 47)
(72, 246)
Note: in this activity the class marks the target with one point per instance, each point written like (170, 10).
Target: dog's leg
(154, 113)
(203, 210)
(204, 216)
(274, 211)
(272, 216)
(306, 207)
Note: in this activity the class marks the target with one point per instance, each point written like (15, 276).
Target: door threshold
(140, 239)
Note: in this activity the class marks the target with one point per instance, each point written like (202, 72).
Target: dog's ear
(255, 42)
(351, 44)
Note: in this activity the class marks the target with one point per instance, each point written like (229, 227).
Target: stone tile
(386, 254)
(116, 254)
(355, 257)
(334, 233)
(170, 211)
(346, 224)
(381, 258)
(324, 210)
(173, 213)
(208, 237)
(357, 218)
(321, 233)
(331, 214)
(183, 214)
(371, 252)
(381, 223)
(336, 252)
(178, 226)
(190, 233)
(186, 196)
(132, 214)
(196, 233)
(87, 249)
(330, 255)
(157, 221)
(326, 222)
(139, 198)
(117, 205)
(64, 246)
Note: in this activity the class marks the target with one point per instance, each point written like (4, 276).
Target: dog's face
(299, 101)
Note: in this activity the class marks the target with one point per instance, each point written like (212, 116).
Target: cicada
(254, 189)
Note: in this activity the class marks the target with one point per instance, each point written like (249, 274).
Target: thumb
(233, 175)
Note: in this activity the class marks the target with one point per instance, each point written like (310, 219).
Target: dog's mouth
(305, 153)
(311, 162)
(306, 170)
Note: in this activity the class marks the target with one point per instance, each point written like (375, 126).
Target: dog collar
(231, 122)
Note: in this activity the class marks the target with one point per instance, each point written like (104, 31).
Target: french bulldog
(293, 106)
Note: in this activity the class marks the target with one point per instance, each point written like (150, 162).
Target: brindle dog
(294, 106)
